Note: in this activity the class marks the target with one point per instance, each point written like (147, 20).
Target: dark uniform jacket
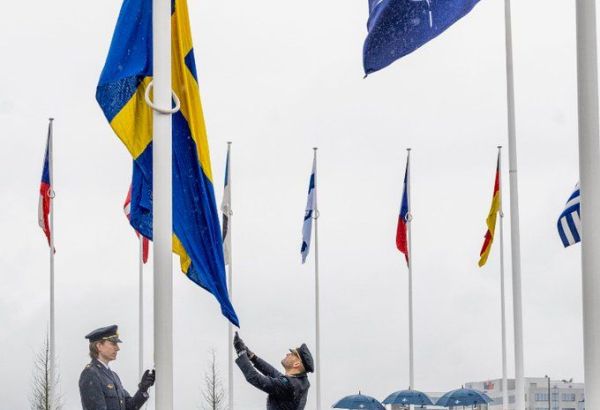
(101, 389)
(285, 392)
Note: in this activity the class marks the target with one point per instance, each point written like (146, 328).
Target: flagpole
(162, 223)
(230, 278)
(51, 222)
(141, 308)
(589, 174)
(411, 366)
(502, 294)
(317, 313)
(514, 217)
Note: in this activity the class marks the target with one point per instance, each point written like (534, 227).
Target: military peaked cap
(305, 357)
(104, 333)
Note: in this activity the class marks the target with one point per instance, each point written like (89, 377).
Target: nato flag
(398, 27)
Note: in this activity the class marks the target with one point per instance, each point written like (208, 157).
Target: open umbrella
(407, 397)
(358, 401)
(463, 397)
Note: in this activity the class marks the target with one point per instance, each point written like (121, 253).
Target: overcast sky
(278, 78)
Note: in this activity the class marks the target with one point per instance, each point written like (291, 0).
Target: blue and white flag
(308, 215)
(398, 27)
(226, 212)
(569, 222)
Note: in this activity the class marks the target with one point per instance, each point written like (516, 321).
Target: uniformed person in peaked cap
(100, 388)
(286, 391)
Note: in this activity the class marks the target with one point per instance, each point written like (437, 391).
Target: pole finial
(51, 119)
(228, 142)
(499, 146)
(315, 148)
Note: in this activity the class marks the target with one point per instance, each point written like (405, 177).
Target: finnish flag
(569, 222)
(308, 215)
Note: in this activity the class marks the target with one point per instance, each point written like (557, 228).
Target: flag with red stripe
(491, 219)
(145, 242)
(46, 193)
(404, 217)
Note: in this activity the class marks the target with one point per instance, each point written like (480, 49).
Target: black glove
(239, 346)
(147, 381)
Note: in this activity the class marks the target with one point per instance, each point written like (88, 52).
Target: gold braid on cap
(115, 336)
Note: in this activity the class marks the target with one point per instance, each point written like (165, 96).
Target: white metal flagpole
(51, 222)
(141, 308)
(411, 362)
(514, 217)
(229, 212)
(502, 294)
(162, 224)
(589, 174)
(317, 313)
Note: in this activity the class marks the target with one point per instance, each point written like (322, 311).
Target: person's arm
(90, 390)
(264, 367)
(277, 386)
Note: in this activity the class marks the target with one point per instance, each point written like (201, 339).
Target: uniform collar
(100, 364)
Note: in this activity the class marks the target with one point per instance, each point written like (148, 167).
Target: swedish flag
(120, 93)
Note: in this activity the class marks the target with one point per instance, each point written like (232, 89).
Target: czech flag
(491, 219)
(46, 192)
(120, 93)
(145, 241)
(404, 217)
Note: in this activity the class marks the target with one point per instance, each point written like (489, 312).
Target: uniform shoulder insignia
(87, 366)
(110, 386)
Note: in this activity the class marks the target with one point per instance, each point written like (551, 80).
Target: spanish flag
(120, 94)
(491, 219)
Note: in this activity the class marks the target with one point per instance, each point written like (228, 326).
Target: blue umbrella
(406, 397)
(358, 401)
(463, 397)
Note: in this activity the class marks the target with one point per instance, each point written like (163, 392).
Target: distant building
(564, 395)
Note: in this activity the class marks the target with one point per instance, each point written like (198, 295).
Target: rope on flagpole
(159, 109)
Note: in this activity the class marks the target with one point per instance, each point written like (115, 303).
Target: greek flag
(308, 215)
(569, 222)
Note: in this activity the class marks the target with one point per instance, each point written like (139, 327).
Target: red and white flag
(404, 217)
(145, 241)
(46, 192)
